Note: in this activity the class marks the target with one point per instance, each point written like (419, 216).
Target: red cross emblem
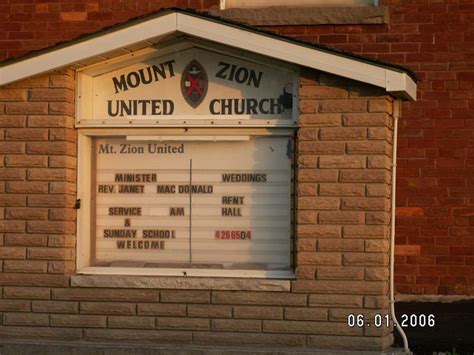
(194, 83)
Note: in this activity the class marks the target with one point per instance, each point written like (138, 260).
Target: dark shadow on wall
(453, 332)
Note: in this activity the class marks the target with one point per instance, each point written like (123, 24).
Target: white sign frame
(85, 221)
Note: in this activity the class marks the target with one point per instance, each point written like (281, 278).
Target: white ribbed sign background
(225, 223)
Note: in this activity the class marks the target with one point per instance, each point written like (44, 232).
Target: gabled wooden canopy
(152, 29)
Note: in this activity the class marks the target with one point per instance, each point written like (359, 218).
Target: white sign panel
(189, 86)
(185, 204)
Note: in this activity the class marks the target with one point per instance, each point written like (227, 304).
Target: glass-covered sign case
(192, 203)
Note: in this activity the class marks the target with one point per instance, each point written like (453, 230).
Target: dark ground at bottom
(453, 331)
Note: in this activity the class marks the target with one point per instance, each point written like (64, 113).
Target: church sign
(206, 183)
(193, 86)
(188, 179)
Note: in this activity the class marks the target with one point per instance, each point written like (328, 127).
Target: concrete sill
(283, 16)
(176, 283)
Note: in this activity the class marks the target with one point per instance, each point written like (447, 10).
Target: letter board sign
(223, 205)
(193, 86)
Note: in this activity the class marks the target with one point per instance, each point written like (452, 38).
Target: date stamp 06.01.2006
(385, 320)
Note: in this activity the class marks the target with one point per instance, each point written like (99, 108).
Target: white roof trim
(395, 82)
(108, 42)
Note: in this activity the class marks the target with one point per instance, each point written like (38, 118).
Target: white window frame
(248, 4)
(85, 223)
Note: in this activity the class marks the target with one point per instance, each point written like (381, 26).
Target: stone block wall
(37, 180)
(343, 203)
(343, 178)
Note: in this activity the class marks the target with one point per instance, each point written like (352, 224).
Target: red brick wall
(26, 25)
(435, 187)
(435, 224)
